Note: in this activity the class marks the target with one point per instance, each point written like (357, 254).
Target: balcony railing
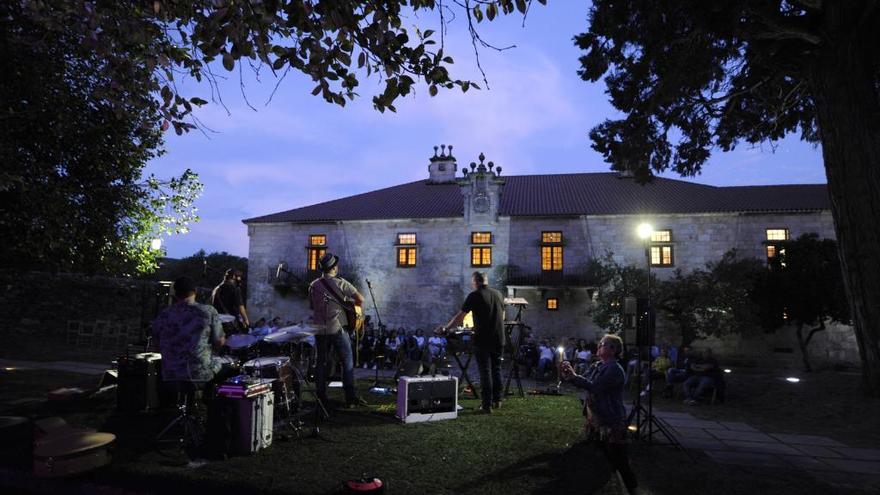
(520, 277)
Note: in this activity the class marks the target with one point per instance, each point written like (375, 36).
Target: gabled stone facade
(428, 293)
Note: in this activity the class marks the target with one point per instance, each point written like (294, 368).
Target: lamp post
(644, 231)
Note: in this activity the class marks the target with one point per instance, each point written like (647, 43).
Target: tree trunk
(842, 79)
(803, 345)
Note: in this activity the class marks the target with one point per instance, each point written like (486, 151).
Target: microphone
(278, 270)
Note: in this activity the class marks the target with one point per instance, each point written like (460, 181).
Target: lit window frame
(481, 256)
(661, 250)
(773, 245)
(407, 250)
(552, 304)
(481, 238)
(552, 251)
(315, 249)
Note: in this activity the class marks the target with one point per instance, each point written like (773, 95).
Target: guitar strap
(331, 288)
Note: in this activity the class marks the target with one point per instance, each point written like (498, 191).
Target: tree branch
(813, 332)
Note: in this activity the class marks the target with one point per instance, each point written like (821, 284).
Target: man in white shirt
(545, 358)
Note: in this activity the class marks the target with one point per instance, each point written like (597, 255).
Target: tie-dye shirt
(184, 334)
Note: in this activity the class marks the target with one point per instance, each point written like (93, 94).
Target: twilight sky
(299, 150)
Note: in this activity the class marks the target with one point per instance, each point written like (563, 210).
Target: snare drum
(229, 365)
(278, 369)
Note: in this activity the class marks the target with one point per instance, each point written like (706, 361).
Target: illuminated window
(406, 256)
(481, 256)
(661, 236)
(316, 249)
(661, 252)
(552, 304)
(775, 249)
(481, 238)
(777, 234)
(551, 237)
(662, 256)
(551, 251)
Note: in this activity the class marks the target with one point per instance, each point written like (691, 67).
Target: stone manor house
(419, 243)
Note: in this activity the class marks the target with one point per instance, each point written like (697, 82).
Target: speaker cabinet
(427, 398)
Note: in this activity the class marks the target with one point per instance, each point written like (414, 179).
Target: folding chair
(73, 329)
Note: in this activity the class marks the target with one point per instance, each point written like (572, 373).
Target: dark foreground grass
(531, 445)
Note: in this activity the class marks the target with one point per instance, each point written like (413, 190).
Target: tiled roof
(562, 195)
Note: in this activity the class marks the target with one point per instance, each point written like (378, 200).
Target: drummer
(186, 332)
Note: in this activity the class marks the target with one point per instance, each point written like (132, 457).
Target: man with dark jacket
(606, 414)
(487, 306)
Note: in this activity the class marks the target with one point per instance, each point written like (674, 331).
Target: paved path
(740, 444)
(68, 366)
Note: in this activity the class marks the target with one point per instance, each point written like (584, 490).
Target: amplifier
(139, 385)
(427, 398)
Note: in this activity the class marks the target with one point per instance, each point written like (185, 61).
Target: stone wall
(425, 295)
(834, 347)
(41, 303)
(431, 292)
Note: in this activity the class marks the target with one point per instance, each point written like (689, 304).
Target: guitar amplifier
(139, 385)
(427, 398)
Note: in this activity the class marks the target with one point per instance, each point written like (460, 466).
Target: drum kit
(271, 357)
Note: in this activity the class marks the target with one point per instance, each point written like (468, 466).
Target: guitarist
(329, 296)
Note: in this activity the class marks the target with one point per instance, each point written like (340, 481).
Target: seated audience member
(260, 328)
(436, 346)
(392, 347)
(582, 357)
(529, 355)
(679, 372)
(661, 364)
(570, 351)
(545, 358)
(703, 370)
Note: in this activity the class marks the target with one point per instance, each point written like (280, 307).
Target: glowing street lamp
(644, 231)
(155, 244)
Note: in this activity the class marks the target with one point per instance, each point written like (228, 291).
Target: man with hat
(326, 294)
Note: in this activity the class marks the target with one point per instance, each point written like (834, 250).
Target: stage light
(728, 370)
(792, 379)
(632, 428)
(156, 244)
(645, 230)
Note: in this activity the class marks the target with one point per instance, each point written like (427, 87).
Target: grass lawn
(531, 445)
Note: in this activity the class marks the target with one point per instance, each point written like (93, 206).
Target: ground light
(792, 379)
(728, 370)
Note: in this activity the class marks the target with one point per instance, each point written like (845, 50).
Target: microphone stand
(380, 325)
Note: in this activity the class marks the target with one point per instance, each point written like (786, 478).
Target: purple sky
(299, 150)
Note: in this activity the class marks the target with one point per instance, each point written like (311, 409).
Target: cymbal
(226, 318)
(298, 330)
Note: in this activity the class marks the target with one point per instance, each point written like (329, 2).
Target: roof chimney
(442, 167)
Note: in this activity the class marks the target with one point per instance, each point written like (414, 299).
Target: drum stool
(191, 434)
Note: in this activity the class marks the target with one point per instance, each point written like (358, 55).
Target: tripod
(516, 355)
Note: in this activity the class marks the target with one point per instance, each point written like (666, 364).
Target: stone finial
(435, 152)
(473, 166)
(442, 151)
(450, 151)
(498, 170)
